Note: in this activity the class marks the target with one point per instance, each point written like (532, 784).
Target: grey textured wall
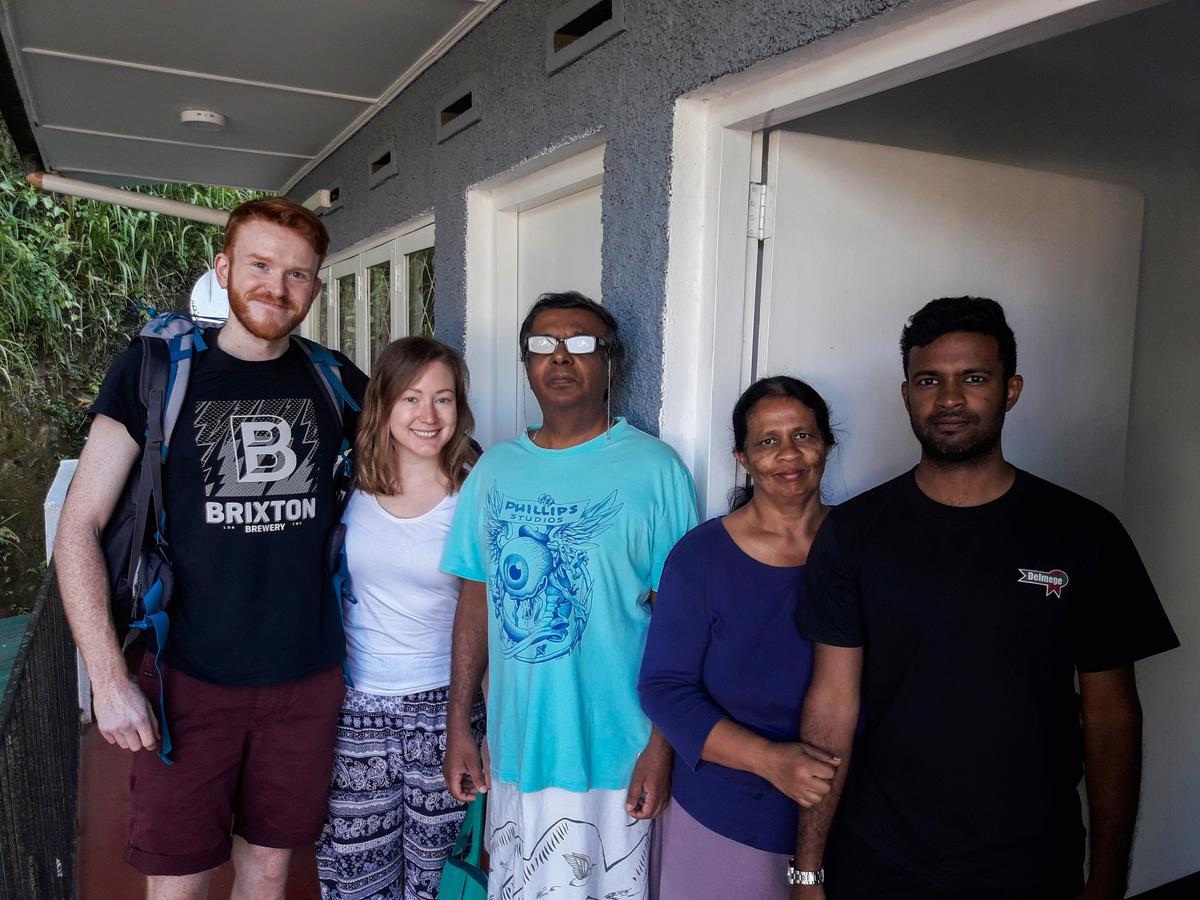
(627, 87)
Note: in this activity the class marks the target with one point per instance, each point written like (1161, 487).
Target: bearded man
(954, 607)
(251, 671)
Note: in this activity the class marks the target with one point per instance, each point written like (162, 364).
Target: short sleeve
(677, 519)
(1119, 618)
(831, 612)
(464, 552)
(118, 396)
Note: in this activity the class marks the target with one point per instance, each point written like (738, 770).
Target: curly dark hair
(946, 314)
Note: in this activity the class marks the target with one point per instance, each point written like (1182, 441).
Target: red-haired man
(251, 671)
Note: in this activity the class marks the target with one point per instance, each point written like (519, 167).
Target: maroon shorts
(252, 761)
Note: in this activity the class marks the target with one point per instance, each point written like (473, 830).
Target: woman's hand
(802, 771)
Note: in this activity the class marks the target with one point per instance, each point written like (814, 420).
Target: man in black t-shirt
(952, 609)
(251, 668)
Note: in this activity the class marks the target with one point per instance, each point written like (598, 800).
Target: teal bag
(462, 879)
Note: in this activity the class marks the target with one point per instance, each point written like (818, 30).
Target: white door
(527, 233)
(558, 249)
(864, 235)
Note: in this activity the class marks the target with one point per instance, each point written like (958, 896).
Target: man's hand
(807, 892)
(463, 766)
(123, 715)
(650, 786)
(802, 771)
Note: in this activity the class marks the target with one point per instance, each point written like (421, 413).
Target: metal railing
(39, 740)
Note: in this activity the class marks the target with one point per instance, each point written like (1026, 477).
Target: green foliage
(70, 271)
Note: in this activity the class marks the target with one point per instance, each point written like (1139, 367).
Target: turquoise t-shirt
(570, 543)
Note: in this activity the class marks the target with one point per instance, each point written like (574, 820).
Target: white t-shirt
(398, 633)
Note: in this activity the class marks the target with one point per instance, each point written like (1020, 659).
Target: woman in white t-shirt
(391, 820)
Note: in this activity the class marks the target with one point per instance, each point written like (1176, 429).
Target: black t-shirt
(973, 623)
(249, 508)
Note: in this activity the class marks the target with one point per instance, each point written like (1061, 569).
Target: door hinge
(760, 221)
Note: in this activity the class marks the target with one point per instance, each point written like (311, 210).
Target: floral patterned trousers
(391, 820)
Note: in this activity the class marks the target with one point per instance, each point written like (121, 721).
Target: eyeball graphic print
(540, 584)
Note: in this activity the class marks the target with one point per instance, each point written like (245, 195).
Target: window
(376, 292)
(320, 311)
(347, 313)
(379, 306)
(419, 264)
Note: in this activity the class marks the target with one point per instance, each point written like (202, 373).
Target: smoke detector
(202, 119)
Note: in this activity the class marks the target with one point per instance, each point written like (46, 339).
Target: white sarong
(565, 845)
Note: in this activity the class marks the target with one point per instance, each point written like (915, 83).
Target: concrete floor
(102, 873)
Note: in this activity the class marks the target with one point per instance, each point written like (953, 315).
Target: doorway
(861, 234)
(528, 233)
(1099, 97)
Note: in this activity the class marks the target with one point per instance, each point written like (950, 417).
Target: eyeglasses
(544, 344)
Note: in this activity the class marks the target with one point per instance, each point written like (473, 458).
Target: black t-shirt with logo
(249, 508)
(973, 623)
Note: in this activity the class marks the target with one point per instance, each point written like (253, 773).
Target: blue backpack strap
(327, 365)
(169, 343)
(158, 625)
(327, 368)
(343, 590)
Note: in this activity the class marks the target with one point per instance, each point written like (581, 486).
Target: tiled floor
(104, 829)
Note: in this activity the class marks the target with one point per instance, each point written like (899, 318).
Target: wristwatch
(796, 876)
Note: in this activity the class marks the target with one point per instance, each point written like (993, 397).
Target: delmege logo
(1053, 581)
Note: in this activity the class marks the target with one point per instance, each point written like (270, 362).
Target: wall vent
(580, 27)
(382, 164)
(458, 109)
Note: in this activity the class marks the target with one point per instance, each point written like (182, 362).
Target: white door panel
(864, 235)
(558, 249)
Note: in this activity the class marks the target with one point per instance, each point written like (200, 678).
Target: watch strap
(801, 876)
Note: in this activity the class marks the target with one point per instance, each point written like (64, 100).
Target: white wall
(1119, 102)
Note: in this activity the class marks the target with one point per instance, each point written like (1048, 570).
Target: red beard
(258, 321)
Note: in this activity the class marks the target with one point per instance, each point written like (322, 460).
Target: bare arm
(828, 721)
(650, 786)
(1112, 751)
(463, 768)
(122, 714)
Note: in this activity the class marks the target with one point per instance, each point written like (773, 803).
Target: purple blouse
(723, 642)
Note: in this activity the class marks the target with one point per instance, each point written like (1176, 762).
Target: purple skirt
(696, 863)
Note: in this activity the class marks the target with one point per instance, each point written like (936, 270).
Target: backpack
(135, 545)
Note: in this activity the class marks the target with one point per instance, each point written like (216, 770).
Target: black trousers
(856, 871)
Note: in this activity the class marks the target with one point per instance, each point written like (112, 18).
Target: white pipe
(57, 184)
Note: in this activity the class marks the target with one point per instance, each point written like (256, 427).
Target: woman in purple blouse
(726, 669)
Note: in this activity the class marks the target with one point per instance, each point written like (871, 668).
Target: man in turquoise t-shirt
(561, 535)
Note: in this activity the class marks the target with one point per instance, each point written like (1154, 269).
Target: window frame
(393, 247)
